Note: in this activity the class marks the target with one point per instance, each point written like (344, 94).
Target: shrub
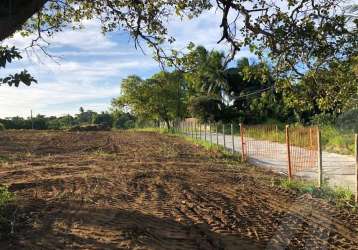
(348, 121)
(334, 140)
(102, 119)
(323, 119)
(124, 121)
(205, 108)
(5, 212)
(2, 127)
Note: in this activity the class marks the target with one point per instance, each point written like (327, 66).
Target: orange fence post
(319, 160)
(288, 153)
(242, 142)
(356, 151)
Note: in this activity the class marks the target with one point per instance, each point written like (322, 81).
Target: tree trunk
(168, 124)
(14, 13)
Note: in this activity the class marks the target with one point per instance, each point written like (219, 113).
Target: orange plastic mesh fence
(303, 148)
(260, 141)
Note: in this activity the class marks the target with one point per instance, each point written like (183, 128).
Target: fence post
(288, 153)
(356, 151)
(232, 138)
(205, 131)
(211, 135)
(217, 134)
(224, 136)
(242, 142)
(195, 130)
(191, 130)
(319, 160)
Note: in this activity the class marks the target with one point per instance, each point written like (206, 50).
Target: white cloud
(92, 66)
(57, 95)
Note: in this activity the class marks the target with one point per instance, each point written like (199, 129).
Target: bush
(103, 118)
(5, 212)
(206, 108)
(334, 140)
(2, 127)
(324, 119)
(124, 121)
(348, 121)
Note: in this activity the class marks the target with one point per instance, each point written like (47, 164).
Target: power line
(254, 92)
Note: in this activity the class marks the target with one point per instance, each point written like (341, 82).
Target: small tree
(103, 119)
(161, 97)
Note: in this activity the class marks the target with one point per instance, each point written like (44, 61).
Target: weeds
(333, 140)
(4, 159)
(6, 223)
(341, 197)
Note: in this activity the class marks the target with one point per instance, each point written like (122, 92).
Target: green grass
(4, 159)
(5, 196)
(341, 197)
(149, 129)
(336, 141)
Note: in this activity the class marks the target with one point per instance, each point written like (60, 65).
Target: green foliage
(5, 196)
(296, 35)
(124, 121)
(330, 91)
(161, 97)
(211, 109)
(40, 122)
(341, 197)
(103, 118)
(7, 55)
(348, 121)
(337, 141)
(324, 119)
(2, 127)
(5, 214)
(85, 117)
(206, 108)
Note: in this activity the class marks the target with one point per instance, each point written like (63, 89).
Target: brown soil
(131, 190)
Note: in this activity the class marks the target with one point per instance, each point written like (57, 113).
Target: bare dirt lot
(141, 190)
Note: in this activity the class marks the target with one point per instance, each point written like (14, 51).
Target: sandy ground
(131, 190)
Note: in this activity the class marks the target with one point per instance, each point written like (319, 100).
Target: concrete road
(338, 170)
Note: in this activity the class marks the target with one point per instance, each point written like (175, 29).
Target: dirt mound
(151, 191)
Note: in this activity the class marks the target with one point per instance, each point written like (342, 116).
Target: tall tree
(161, 97)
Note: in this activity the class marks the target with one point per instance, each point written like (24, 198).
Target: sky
(89, 66)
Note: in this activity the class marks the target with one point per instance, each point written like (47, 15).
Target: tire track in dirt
(132, 190)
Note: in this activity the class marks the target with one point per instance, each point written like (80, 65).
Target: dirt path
(150, 191)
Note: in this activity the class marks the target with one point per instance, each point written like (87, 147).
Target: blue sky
(91, 67)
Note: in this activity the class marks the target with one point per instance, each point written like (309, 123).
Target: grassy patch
(4, 159)
(149, 129)
(334, 140)
(341, 197)
(217, 150)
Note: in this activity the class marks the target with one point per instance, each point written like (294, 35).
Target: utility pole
(32, 121)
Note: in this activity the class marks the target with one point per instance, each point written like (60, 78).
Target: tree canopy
(161, 97)
(298, 35)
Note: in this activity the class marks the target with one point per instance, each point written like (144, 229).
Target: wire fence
(296, 151)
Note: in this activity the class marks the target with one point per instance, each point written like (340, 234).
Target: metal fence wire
(260, 140)
(303, 148)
